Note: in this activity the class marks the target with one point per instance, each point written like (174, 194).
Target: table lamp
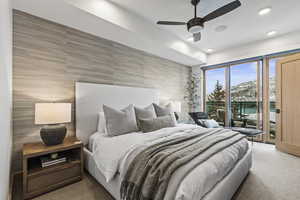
(53, 116)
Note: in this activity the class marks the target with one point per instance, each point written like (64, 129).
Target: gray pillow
(149, 125)
(163, 111)
(144, 113)
(119, 122)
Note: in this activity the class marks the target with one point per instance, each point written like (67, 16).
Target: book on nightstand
(47, 161)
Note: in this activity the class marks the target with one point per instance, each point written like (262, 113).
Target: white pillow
(210, 123)
(101, 123)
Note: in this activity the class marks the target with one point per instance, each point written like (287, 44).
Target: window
(245, 93)
(272, 98)
(235, 95)
(215, 95)
(245, 90)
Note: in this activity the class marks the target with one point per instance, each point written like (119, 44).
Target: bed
(205, 182)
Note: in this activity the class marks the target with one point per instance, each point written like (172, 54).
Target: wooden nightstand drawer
(63, 174)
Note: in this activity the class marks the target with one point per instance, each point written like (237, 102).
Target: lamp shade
(176, 105)
(52, 113)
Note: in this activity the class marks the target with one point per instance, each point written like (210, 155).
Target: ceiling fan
(196, 24)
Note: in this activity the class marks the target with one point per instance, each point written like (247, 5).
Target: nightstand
(38, 180)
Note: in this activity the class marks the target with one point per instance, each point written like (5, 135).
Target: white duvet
(110, 154)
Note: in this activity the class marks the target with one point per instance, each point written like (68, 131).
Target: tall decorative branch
(192, 96)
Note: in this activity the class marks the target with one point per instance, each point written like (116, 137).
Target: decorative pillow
(210, 123)
(200, 122)
(144, 113)
(163, 111)
(101, 123)
(119, 122)
(149, 125)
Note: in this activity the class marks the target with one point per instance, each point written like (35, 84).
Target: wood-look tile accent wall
(49, 58)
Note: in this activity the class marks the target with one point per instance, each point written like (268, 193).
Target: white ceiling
(244, 24)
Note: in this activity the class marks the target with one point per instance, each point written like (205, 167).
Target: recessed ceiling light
(209, 50)
(265, 11)
(271, 33)
(220, 28)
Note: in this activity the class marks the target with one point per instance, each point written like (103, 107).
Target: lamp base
(53, 134)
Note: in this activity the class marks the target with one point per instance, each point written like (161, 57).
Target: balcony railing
(243, 114)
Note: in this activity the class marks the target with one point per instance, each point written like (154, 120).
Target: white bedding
(110, 153)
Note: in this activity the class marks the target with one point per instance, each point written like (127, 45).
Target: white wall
(5, 95)
(273, 45)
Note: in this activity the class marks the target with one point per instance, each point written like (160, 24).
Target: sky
(239, 74)
(272, 69)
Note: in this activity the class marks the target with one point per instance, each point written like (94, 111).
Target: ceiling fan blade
(170, 23)
(223, 10)
(197, 37)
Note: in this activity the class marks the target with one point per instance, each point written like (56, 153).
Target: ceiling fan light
(195, 29)
(264, 11)
(271, 33)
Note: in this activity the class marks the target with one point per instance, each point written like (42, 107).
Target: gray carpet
(274, 176)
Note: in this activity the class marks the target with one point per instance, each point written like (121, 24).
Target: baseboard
(10, 189)
(11, 184)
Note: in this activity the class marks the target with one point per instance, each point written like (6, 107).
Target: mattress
(92, 139)
(191, 187)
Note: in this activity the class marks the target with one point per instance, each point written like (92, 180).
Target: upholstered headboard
(90, 97)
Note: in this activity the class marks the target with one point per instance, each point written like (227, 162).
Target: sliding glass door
(272, 99)
(215, 95)
(233, 95)
(271, 117)
(245, 93)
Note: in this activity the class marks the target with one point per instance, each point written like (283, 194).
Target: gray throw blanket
(148, 174)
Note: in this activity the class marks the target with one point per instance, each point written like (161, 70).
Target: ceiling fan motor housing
(195, 2)
(195, 25)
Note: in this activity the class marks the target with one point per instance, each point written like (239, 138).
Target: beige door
(288, 104)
